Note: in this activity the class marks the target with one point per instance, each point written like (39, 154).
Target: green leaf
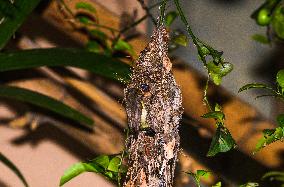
(280, 78)
(114, 164)
(98, 35)
(181, 39)
(215, 114)
(217, 72)
(102, 161)
(122, 45)
(280, 120)
(110, 175)
(170, 18)
(221, 69)
(93, 46)
(218, 184)
(217, 108)
(198, 175)
(274, 175)
(260, 38)
(84, 19)
(202, 173)
(221, 142)
(250, 184)
(85, 6)
(44, 101)
(76, 170)
(254, 85)
(95, 63)
(217, 79)
(260, 144)
(204, 51)
(278, 21)
(269, 136)
(10, 165)
(18, 12)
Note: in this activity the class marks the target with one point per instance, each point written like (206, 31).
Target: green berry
(263, 17)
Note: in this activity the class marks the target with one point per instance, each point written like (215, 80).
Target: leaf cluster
(222, 140)
(271, 15)
(277, 134)
(109, 166)
(198, 175)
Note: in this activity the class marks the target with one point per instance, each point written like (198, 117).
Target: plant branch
(147, 10)
(65, 6)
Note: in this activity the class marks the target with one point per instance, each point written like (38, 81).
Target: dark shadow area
(234, 166)
(47, 31)
(18, 75)
(83, 99)
(271, 64)
(3, 184)
(47, 131)
(228, 2)
(281, 155)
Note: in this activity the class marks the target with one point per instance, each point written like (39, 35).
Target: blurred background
(44, 147)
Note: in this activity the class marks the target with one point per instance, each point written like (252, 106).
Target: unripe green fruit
(263, 17)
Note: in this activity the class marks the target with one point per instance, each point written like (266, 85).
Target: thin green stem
(205, 99)
(198, 43)
(162, 12)
(184, 20)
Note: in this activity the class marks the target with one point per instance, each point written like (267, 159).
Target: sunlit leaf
(221, 142)
(122, 45)
(110, 175)
(260, 38)
(18, 12)
(108, 166)
(204, 51)
(218, 184)
(219, 71)
(215, 115)
(217, 108)
(170, 18)
(254, 85)
(45, 102)
(198, 175)
(102, 160)
(95, 63)
(269, 136)
(114, 164)
(85, 6)
(181, 39)
(12, 166)
(280, 78)
(76, 170)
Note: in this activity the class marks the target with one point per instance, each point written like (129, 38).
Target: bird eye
(145, 87)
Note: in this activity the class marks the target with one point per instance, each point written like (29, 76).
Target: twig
(147, 10)
(65, 6)
(198, 43)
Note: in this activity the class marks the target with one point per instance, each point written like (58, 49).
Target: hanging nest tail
(153, 105)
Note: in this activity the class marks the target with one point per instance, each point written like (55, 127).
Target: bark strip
(153, 106)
